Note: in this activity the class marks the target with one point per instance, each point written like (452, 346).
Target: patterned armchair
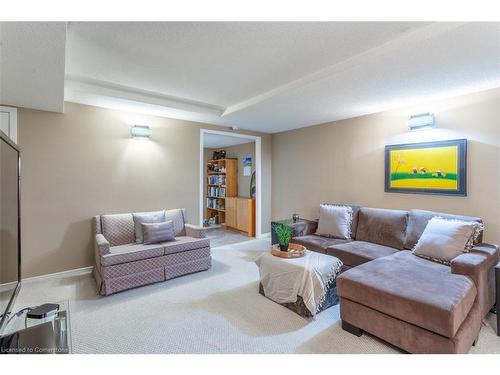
(122, 264)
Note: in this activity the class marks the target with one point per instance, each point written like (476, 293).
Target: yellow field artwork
(425, 168)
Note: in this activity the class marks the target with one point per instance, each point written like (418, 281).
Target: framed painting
(427, 168)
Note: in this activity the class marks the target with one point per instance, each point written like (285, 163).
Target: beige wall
(83, 162)
(343, 161)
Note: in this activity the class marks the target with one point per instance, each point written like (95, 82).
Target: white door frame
(258, 174)
(12, 119)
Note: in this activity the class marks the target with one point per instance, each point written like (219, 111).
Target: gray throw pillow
(335, 221)
(158, 232)
(443, 240)
(146, 217)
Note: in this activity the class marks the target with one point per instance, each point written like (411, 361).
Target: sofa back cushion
(118, 229)
(146, 217)
(177, 215)
(418, 219)
(355, 215)
(383, 227)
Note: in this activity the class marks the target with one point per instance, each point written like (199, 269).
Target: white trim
(76, 88)
(12, 111)
(258, 174)
(57, 275)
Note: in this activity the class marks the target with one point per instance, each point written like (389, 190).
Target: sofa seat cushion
(130, 253)
(317, 243)
(185, 243)
(412, 289)
(355, 253)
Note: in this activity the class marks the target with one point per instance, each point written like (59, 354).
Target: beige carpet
(218, 311)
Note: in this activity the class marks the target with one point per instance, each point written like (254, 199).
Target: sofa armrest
(304, 228)
(479, 267)
(102, 245)
(488, 250)
(195, 231)
(469, 264)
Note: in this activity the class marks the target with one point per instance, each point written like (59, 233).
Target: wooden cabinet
(231, 212)
(240, 215)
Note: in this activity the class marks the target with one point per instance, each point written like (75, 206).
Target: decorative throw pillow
(335, 221)
(158, 232)
(443, 240)
(146, 217)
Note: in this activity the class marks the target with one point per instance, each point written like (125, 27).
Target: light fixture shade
(141, 131)
(421, 121)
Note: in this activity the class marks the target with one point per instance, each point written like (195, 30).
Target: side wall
(343, 161)
(83, 162)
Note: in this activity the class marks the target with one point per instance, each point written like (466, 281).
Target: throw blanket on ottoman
(311, 277)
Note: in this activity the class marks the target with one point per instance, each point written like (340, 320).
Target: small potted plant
(284, 234)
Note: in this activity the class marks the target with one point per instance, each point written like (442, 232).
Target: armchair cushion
(131, 252)
(195, 231)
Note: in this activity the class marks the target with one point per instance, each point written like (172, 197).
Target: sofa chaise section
(413, 303)
(122, 264)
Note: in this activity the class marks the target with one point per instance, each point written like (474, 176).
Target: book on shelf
(216, 191)
(215, 203)
(216, 180)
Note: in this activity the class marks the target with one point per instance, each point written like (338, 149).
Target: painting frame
(461, 169)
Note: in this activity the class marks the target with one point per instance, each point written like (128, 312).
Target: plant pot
(284, 247)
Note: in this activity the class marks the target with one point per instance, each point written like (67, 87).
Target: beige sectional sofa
(413, 303)
(122, 264)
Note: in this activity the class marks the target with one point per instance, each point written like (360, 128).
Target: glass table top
(50, 335)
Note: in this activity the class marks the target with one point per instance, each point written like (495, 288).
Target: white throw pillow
(335, 221)
(443, 240)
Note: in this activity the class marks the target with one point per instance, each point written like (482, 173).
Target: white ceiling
(273, 76)
(218, 140)
(32, 63)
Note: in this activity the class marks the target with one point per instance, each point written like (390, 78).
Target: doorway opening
(230, 186)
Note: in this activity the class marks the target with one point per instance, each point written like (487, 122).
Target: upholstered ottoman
(304, 285)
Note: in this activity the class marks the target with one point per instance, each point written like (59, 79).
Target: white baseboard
(57, 275)
(265, 235)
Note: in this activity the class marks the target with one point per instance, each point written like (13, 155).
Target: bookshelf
(222, 182)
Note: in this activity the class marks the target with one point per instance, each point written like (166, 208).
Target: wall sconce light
(141, 131)
(421, 121)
